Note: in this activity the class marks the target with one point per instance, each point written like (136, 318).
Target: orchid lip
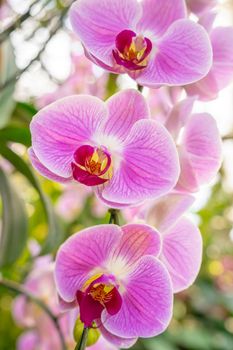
(132, 50)
(99, 293)
(92, 165)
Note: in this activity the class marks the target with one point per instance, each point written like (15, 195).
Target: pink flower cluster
(145, 158)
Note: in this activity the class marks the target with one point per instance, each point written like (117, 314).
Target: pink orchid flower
(152, 41)
(114, 147)
(181, 240)
(119, 284)
(200, 6)
(221, 72)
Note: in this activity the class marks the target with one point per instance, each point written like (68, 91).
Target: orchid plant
(146, 154)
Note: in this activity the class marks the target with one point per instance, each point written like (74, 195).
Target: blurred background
(41, 61)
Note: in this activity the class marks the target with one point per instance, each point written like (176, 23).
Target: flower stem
(83, 340)
(113, 216)
(15, 287)
(140, 87)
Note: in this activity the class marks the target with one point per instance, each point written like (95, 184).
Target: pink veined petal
(146, 302)
(28, 340)
(168, 209)
(149, 167)
(156, 24)
(119, 342)
(179, 116)
(83, 255)
(137, 240)
(184, 55)
(182, 253)
(97, 23)
(221, 73)
(59, 129)
(43, 170)
(125, 109)
(113, 69)
(201, 152)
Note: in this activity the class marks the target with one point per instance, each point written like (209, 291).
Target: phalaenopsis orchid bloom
(153, 42)
(114, 275)
(114, 147)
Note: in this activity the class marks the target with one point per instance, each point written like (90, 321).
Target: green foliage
(14, 223)
(54, 231)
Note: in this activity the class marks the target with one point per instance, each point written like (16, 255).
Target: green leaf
(55, 236)
(15, 133)
(23, 112)
(7, 70)
(14, 223)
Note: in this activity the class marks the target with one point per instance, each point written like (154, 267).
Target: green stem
(114, 216)
(15, 287)
(83, 340)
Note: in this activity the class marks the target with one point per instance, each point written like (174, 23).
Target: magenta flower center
(132, 50)
(98, 295)
(92, 166)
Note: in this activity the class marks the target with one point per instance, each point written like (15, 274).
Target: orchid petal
(149, 167)
(156, 24)
(200, 152)
(182, 253)
(43, 170)
(82, 256)
(125, 109)
(179, 115)
(221, 73)
(59, 129)
(28, 340)
(119, 342)
(168, 209)
(137, 240)
(97, 23)
(184, 55)
(146, 302)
